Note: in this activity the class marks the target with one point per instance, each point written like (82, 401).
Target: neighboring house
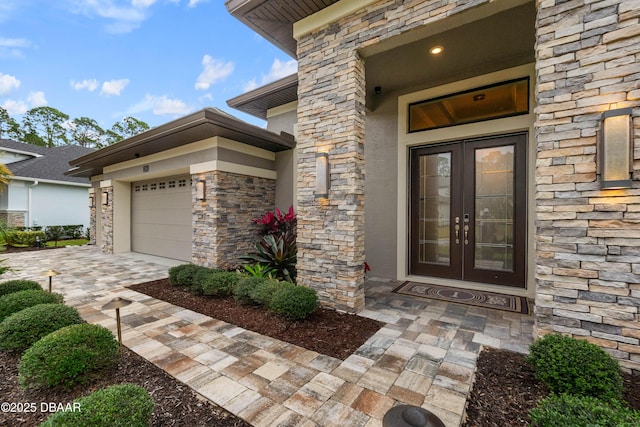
(483, 166)
(40, 194)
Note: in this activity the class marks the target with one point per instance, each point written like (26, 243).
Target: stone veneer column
(331, 119)
(587, 239)
(107, 220)
(223, 228)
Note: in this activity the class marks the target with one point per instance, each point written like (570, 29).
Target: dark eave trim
(258, 101)
(195, 127)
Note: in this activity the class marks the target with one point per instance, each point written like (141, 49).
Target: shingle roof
(52, 163)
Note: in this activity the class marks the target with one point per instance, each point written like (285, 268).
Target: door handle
(457, 229)
(466, 234)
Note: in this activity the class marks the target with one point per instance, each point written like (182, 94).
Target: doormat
(492, 300)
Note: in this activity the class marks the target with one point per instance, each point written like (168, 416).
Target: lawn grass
(72, 242)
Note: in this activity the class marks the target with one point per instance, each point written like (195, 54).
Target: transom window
(504, 99)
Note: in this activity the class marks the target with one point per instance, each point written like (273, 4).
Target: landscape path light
(50, 274)
(117, 303)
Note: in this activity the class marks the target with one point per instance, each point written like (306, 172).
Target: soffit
(198, 126)
(258, 101)
(274, 19)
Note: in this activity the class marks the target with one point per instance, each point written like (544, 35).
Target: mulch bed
(175, 403)
(326, 331)
(505, 390)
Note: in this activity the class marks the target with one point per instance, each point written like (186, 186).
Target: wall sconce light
(105, 198)
(200, 190)
(322, 175)
(92, 201)
(616, 151)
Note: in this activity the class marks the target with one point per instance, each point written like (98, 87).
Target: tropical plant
(258, 270)
(277, 223)
(278, 253)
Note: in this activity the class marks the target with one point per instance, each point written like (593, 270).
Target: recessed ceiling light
(436, 50)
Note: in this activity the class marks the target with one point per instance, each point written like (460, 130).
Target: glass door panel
(435, 209)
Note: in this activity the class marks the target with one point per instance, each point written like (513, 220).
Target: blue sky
(155, 60)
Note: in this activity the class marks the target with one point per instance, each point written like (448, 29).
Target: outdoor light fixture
(200, 190)
(436, 50)
(92, 201)
(117, 303)
(616, 155)
(322, 175)
(50, 274)
(105, 198)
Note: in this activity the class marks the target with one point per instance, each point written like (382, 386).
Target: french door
(468, 210)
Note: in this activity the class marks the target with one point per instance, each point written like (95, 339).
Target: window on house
(501, 100)
(182, 183)
(145, 187)
(153, 186)
(172, 184)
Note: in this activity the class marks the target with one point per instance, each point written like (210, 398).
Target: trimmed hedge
(220, 283)
(582, 411)
(20, 330)
(24, 238)
(183, 275)
(11, 286)
(202, 277)
(16, 301)
(574, 366)
(71, 355)
(124, 405)
(295, 302)
(246, 286)
(264, 292)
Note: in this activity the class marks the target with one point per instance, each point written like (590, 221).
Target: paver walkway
(425, 355)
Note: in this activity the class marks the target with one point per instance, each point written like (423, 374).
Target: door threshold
(462, 284)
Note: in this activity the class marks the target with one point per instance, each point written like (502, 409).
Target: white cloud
(90, 85)
(279, 69)
(14, 43)
(124, 18)
(14, 107)
(214, 71)
(113, 87)
(8, 83)
(194, 3)
(160, 106)
(37, 99)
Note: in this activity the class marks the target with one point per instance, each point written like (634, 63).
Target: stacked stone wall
(587, 239)
(13, 218)
(331, 119)
(107, 220)
(223, 228)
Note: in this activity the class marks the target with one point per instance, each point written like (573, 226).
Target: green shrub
(201, 277)
(574, 366)
(16, 301)
(220, 283)
(582, 411)
(295, 302)
(183, 275)
(123, 405)
(11, 286)
(245, 287)
(71, 355)
(264, 292)
(20, 330)
(24, 238)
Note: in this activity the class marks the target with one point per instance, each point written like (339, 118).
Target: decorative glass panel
(494, 200)
(435, 209)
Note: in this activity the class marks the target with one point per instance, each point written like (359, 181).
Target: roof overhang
(274, 20)
(258, 101)
(195, 127)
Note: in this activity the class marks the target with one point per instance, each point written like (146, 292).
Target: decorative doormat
(466, 296)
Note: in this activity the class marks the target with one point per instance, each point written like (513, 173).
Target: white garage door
(161, 217)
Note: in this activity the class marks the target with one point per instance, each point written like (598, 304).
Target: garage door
(161, 217)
